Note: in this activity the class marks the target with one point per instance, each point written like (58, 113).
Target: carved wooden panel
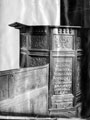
(62, 59)
(32, 43)
(58, 47)
(38, 61)
(39, 42)
(62, 97)
(32, 61)
(62, 75)
(63, 42)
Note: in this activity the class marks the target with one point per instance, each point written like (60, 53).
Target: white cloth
(30, 12)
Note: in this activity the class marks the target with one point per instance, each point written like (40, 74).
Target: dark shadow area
(72, 12)
(85, 74)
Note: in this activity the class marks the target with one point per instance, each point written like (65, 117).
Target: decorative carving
(63, 31)
(39, 42)
(61, 98)
(62, 73)
(63, 42)
(66, 79)
(62, 83)
(38, 61)
(66, 42)
(62, 91)
(37, 30)
(62, 105)
(62, 86)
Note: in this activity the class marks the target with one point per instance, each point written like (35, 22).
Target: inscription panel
(63, 70)
(62, 83)
(62, 42)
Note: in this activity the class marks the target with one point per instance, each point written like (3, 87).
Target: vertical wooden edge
(74, 76)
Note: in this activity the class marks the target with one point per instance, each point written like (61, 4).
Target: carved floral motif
(63, 42)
